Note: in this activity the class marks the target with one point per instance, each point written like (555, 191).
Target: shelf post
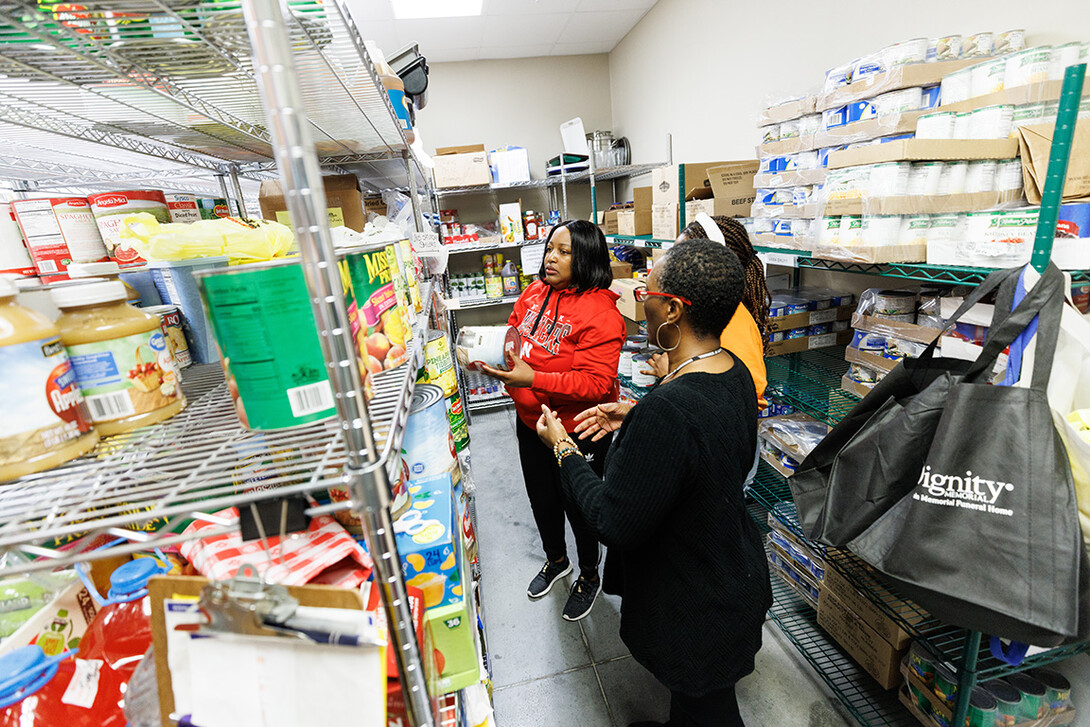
(1052, 195)
(240, 201)
(221, 177)
(364, 472)
(966, 676)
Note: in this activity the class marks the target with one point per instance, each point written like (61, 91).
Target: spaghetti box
(450, 634)
(428, 543)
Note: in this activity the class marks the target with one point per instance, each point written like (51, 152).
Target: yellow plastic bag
(242, 241)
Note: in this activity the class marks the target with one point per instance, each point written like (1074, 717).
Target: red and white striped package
(325, 554)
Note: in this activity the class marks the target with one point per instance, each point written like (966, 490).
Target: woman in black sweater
(683, 554)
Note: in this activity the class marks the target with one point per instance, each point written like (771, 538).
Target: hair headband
(712, 229)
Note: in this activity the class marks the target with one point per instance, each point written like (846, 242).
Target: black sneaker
(582, 597)
(550, 573)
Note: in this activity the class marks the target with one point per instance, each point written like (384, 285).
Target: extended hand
(598, 421)
(549, 428)
(659, 366)
(520, 376)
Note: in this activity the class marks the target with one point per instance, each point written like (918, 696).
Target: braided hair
(756, 297)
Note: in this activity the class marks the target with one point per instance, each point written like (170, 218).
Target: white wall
(702, 69)
(521, 102)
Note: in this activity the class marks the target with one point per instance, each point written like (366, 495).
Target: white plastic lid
(71, 296)
(92, 270)
(7, 288)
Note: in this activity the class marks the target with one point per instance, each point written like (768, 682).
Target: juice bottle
(35, 691)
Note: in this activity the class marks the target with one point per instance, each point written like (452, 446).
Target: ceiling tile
(441, 33)
(512, 30)
(370, 10)
(586, 27)
(578, 49)
(454, 55)
(528, 7)
(516, 51)
(587, 6)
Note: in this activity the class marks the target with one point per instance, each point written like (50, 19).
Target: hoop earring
(658, 335)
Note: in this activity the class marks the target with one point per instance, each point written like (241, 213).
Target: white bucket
(1062, 57)
(963, 123)
(905, 52)
(914, 230)
(899, 102)
(889, 180)
(1008, 175)
(987, 77)
(1009, 41)
(978, 45)
(881, 230)
(1032, 65)
(981, 176)
(925, 178)
(487, 345)
(936, 126)
(946, 48)
(956, 86)
(991, 122)
(953, 178)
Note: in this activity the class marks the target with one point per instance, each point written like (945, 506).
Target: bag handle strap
(990, 283)
(1042, 297)
(1014, 656)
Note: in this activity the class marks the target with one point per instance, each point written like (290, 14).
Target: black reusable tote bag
(988, 538)
(872, 457)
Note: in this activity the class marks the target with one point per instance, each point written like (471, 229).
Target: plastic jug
(120, 633)
(38, 691)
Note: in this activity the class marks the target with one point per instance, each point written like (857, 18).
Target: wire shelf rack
(638, 392)
(143, 485)
(602, 175)
(810, 381)
(946, 642)
(860, 695)
(175, 81)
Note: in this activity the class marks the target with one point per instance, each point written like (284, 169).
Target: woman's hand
(520, 376)
(598, 421)
(549, 428)
(659, 366)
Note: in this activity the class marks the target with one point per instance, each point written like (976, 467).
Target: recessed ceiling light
(417, 9)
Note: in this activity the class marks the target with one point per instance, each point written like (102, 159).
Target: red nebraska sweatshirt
(572, 341)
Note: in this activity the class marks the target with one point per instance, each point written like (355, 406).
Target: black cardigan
(672, 513)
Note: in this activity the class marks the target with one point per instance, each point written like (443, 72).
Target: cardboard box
(807, 551)
(792, 145)
(643, 198)
(790, 179)
(810, 318)
(711, 207)
(1014, 96)
(429, 547)
(776, 464)
(627, 304)
(610, 224)
(344, 202)
(787, 110)
(634, 222)
(732, 187)
(869, 359)
(919, 205)
(1035, 143)
(781, 566)
(864, 608)
(916, 74)
(620, 270)
(895, 329)
(665, 181)
(855, 388)
(808, 343)
(888, 125)
(375, 204)
(872, 254)
(461, 166)
(664, 221)
(877, 656)
(926, 150)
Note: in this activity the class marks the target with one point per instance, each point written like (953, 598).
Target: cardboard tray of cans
(855, 387)
(786, 211)
(938, 204)
(871, 254)
(811, 318)
(1042, 92)
(871, 360)
(787, 110)
(784, 570)
(894, 329)
(800, 178)
(809, 343)
(915, 74)
(776, 464)
(790, 145)
(867, 129)
(802, 557)
(1056, 719)
(923, 150)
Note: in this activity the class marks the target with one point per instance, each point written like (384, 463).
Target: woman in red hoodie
(572, 335)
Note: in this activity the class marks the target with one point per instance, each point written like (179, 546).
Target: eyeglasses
(642, 294)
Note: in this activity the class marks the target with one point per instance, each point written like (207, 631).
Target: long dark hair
(589, 256)
(756, 297)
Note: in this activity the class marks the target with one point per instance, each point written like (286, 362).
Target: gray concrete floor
(553, 673)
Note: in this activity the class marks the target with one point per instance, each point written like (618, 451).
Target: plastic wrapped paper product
(240, 240)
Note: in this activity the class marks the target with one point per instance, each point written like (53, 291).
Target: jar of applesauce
(45, 420)
(120, 356)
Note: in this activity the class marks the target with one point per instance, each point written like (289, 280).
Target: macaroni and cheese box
(428, 544)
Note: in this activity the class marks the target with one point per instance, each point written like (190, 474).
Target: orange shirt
(742, 338)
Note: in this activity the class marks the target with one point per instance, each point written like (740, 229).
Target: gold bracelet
(569, 447)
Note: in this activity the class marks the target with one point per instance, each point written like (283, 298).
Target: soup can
(383, 331)
(1008, 702)
(170, 321)
(110, 209)
(1058, 689)
(428, 444)
(1034, 696)
(983, 708)
(489, 345)
(642, 362)
(272, 356)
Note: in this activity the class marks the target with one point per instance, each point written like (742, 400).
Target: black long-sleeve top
(671, 510)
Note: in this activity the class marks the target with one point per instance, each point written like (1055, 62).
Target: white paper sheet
(532, 257)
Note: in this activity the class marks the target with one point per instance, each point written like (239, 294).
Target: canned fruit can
(176, 284)
(1034, 696)
(110, 209)
(183, 207)
(489, 345)
(14, 256)
(1058, 694)
(272, 356)
(438, 364)
(383, 335)
(59, 231)
(170, 322)
(983, 708)
(459, 428)
(1008, 702)
(428, 445)
(213, 208)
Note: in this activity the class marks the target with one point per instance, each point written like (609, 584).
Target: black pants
(547, 499)
(715, 709)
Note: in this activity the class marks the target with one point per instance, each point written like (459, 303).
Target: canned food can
(176, 284)
(1009, 41)
(170, 321)
(183, 207)
(383, 336)
(110, 209)
(978, 45)
(59, 231)
(14, 256)
(428, 444)
(642, 362)
(1058, 689)
(775, 336)
(939, 125)
(438, 364)
(1034, 696)
(894, 302)
(489, 345)
(819, 329)
(272, 357)
(795, 333)
(944, 48)
(213, 208)
(1008, 702)
(983, 708)
(1028, 66)
(459, 427)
